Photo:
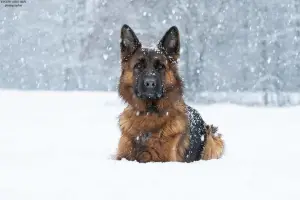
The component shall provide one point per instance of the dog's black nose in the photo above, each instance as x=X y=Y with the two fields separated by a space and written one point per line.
x=150 y=82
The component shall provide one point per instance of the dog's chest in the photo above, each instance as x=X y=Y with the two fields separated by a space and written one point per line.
x=150 y=140
x=138 y=125
x=143 y=138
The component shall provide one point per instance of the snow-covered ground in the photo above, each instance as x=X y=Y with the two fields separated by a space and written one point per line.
x=58 y=146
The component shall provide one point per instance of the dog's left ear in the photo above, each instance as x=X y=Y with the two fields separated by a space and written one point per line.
x=170 y=43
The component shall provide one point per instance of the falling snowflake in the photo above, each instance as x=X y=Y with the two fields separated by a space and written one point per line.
x=105 y=56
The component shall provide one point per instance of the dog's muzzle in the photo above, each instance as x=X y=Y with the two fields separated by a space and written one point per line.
x=149 y=87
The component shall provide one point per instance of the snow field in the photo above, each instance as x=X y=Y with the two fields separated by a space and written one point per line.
x=56 y=145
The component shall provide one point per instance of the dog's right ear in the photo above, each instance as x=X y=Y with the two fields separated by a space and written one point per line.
x=129 y=42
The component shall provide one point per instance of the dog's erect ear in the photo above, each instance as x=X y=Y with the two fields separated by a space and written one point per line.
x=129 y=41
x=170 y=43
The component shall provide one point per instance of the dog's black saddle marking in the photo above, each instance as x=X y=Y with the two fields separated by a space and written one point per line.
x=197 y=135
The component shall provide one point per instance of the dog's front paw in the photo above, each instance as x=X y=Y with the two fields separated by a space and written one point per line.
x=144 y=157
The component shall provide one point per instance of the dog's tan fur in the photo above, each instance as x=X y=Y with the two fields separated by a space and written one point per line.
x=214 y=146
x=169 y=139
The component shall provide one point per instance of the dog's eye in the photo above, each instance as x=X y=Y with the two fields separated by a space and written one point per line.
x=138 y=66
x=159 y=66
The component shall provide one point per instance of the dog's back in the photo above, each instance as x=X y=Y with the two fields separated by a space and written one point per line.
x=204 y=143
x=196 y=133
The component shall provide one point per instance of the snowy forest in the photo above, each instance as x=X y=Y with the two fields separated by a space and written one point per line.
x=241 y=51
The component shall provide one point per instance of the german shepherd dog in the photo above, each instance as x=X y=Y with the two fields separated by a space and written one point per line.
x=157 y=125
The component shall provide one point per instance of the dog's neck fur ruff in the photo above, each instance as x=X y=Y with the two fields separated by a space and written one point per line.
x=151 y=109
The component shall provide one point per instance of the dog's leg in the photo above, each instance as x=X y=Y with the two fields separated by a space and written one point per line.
x=179 y=144
x=125 y=148
x=176 y=143
x=166 y=149
x=214 y=145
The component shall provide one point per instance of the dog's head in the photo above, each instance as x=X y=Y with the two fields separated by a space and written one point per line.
x=149 y=75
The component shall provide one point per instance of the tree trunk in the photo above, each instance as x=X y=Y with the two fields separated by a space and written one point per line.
x=297 y=39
